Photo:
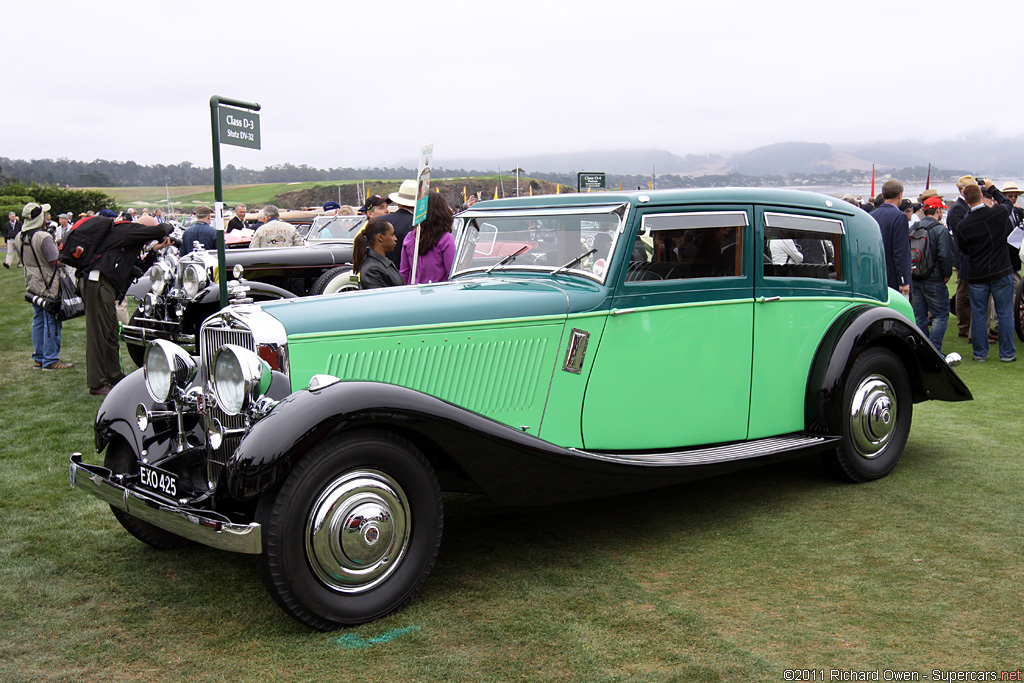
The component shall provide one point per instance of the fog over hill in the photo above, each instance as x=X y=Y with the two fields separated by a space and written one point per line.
x=1000 y=157
x=778 y=164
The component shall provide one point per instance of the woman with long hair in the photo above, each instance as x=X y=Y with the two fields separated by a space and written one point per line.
x=369 y=255
x=437 y=246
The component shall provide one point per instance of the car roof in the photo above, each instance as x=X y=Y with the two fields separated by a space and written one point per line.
x=717 y=195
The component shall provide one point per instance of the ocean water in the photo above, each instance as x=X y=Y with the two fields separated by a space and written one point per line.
x=911 y=190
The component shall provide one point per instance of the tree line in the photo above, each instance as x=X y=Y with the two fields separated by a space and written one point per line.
x=102 y=173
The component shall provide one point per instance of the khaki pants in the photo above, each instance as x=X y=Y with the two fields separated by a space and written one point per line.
x=12 y=253
x=102 y=357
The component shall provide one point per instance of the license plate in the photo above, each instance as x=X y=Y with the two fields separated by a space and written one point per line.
x=158 y=481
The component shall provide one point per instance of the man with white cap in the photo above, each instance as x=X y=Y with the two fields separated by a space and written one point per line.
x=38 y=254
x=401 y=220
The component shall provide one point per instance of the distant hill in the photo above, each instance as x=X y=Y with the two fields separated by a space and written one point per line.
x=787 y=158
x=988 y=156
x=635 y=162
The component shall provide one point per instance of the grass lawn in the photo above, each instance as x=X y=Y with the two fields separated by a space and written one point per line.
x=731 y=579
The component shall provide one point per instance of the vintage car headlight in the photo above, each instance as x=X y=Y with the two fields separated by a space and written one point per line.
x=156 y=279
x=167 y=367
x=193 y=279
x=240 y=378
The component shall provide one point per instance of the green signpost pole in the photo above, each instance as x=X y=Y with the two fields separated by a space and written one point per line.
x=239 y=129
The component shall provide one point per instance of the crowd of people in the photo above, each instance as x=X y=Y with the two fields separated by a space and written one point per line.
x=125 y=245
x=924 y=242
x=980 y=240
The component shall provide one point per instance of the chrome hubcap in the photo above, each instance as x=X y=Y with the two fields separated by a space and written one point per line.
x=358 y=531
x=872 y=415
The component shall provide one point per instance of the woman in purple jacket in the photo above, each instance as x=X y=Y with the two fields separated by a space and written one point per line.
x=437 y=246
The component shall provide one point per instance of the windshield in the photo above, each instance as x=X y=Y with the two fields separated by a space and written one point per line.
x=539 y=241
x=334 y=227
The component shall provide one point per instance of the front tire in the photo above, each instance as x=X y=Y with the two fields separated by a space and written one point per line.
x=353 y=532
x=120 y=459
x=875 y=420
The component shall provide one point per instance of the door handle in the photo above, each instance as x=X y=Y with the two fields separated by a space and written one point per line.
x=768 y=299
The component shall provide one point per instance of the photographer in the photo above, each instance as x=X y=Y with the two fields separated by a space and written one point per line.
x=38 y=254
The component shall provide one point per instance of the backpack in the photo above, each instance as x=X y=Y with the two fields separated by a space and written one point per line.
x=79 y=247
x=922 y=254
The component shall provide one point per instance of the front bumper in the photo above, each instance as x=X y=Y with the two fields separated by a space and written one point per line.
x=201 y=526
x=136 y=334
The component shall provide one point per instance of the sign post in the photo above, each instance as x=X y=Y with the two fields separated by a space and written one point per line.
x=422 y=198
x=232 y=127
x=587 y=182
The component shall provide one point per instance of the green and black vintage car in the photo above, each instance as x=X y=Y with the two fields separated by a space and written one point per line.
x=586 y=345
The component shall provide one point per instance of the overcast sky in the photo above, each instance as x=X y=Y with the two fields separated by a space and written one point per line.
x=367 y=84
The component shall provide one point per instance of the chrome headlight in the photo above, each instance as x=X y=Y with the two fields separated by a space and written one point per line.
x=240 y=378
x=168 y=369
x=156 y=276
x=193 y=279
x=149 y=303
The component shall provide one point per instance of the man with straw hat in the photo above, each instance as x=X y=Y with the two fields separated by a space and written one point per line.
x=38 y=253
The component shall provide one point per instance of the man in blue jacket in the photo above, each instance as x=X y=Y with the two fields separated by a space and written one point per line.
x=895 y=236
x=931 y=298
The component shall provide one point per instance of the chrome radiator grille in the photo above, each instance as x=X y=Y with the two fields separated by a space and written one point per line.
x=212 y=338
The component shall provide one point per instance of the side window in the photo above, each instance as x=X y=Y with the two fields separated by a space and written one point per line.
x=689 y=245
x=803 y=246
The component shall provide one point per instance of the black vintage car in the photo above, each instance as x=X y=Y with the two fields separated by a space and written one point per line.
x=177 y=294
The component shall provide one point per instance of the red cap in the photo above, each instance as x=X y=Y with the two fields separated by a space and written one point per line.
x=935 y=203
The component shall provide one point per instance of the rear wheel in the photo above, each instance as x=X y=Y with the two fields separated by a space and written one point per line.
x=353 y=532
x=120 y=459
x=335 y=281
x=875 y=420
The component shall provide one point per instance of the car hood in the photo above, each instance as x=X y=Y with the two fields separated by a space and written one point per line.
x=459 y=301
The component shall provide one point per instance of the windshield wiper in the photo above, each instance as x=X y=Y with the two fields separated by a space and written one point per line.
x=507 y=259
x=573 y=262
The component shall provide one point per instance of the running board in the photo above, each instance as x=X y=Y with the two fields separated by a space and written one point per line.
x=740 y=450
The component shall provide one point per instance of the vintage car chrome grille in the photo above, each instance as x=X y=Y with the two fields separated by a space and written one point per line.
x=213 y=338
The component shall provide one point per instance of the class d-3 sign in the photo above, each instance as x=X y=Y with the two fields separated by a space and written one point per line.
x=240 y=128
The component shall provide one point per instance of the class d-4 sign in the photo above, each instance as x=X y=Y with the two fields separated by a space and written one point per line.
x=237 y=127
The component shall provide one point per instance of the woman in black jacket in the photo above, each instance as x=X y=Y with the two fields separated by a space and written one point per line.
x=369 y=255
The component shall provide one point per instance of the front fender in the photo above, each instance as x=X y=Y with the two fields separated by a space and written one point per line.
x=116 y=419
x=868 y=326
x=211 y=294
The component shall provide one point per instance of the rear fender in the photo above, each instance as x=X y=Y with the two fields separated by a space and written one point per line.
x=875 y=326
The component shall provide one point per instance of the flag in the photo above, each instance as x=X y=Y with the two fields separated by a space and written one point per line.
x=558 y=189
x=495 y=191
x=872 y=181
x=531 y=190
x=464 y=200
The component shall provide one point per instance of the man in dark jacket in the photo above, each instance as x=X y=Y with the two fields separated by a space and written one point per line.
x=201 y=231
x=237 y=221
x=981 y=236
x=895 y=236
x=930 y=293
x=106 y=282
x=11 y=229
x=405 y=198
x=963 y=300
